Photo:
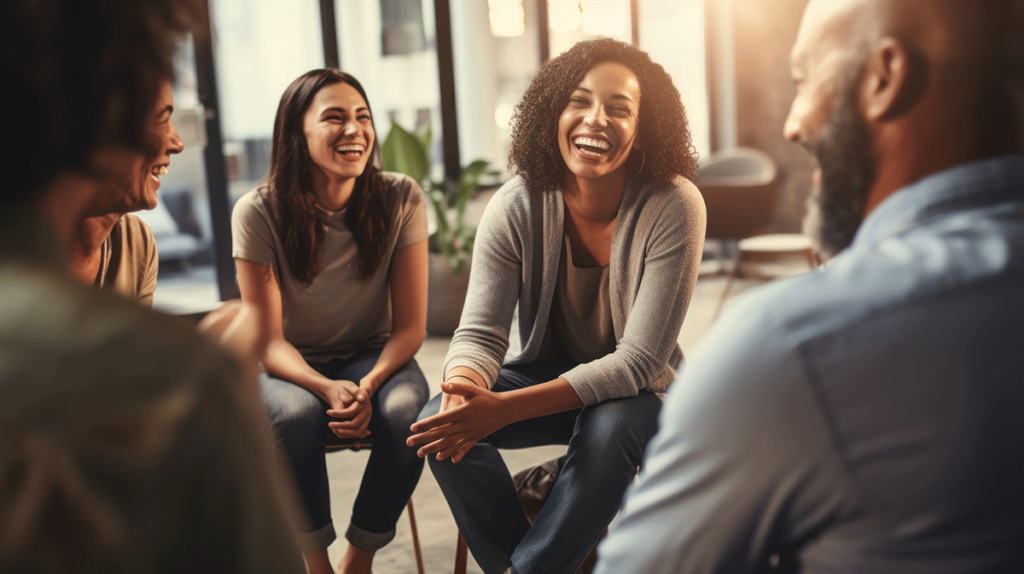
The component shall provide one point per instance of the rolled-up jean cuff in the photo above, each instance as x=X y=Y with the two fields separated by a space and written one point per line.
x=366 y=540
x=318 y=539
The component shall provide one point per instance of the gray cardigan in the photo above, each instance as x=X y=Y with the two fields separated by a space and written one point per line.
x=656 y=249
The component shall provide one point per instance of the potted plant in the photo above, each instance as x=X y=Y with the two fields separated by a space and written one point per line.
x=451 y=243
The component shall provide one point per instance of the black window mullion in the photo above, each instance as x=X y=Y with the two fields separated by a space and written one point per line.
x=446 y=80
x=543 y=33
x=329 y=30
x=213 y=155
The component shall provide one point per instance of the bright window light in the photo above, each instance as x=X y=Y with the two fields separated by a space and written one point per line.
x=508 y=19
x=564 y=15
x=605 y=17
x=503 y=115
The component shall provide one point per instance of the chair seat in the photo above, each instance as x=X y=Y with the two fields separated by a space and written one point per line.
x=768 y=245
x=776 y=243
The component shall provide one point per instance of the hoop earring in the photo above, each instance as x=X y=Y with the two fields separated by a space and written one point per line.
x=643 y=158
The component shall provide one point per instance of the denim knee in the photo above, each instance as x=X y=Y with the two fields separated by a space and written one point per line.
x=620 y=426
x=399 y=407
x=293 y=411
x=400 y=400
x=432 y=407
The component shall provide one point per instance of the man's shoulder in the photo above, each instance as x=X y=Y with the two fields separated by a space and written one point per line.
x=924 y=268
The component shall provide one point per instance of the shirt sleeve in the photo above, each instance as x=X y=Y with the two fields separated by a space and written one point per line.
x=251 y=229
x=481 y=340
x=670 y=265
x=412 y=223
x=744 y=462
x=151 y=266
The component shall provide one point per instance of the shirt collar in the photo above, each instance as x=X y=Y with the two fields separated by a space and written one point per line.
x=970 y=185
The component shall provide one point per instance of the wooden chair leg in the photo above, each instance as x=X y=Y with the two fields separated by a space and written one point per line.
x=728 y=283
x=460 y=555
x=415 y=538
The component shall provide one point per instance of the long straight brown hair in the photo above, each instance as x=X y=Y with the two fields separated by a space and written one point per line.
x=300 y=222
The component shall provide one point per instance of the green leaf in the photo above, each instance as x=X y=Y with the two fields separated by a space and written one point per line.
x=440 y=212
x=409 y=153
x=426 y=137
x=405 y=153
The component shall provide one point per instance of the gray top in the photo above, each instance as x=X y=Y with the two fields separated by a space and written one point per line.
x=581 y=316
x=655 y=253
x=865 y=418
x=340 y=312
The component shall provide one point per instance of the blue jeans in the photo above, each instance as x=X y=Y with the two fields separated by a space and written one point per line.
x=606 y=445
x=299 y=420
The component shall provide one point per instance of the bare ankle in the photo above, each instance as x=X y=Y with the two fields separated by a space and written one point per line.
x=355 y=561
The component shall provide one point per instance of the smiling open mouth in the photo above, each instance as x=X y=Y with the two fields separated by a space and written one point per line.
x=591 y=146
x=350 y=150
x=158 y=170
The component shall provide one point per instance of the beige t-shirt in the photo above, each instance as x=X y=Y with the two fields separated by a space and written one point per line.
x=340 y=312
x=129 y=261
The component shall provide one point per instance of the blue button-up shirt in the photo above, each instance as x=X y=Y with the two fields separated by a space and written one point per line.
x=868 y=417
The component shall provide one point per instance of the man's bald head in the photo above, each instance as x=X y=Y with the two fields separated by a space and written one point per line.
x=969 y=54
x=890 y=91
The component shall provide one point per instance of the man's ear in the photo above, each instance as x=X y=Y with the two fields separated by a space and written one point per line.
x=892 y=81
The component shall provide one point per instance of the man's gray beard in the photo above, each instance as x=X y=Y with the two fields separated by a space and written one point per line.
x=835 y=208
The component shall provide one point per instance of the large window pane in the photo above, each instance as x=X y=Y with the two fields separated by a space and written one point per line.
x=571 y=21
x=389 y=46
x=495 y=48
x=260 y=47
x=672 y=32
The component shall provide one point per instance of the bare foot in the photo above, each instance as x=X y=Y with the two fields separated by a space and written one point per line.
x=355 y=561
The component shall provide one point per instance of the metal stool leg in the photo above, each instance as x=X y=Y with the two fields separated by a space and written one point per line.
x=728 y=283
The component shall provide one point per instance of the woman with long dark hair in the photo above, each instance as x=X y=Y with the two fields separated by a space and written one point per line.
x=333 y=253
x=597 y=241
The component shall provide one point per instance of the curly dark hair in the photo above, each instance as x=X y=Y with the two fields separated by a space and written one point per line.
x=667 y=148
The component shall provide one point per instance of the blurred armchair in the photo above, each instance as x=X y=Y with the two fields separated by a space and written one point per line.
x=740 y=186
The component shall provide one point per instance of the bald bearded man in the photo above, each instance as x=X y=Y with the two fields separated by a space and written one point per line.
x=867 y=418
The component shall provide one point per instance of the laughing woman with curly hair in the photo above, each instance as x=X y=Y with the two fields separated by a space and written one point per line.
x=597 y=240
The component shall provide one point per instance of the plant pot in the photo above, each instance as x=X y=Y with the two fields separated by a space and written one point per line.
x=446 y=293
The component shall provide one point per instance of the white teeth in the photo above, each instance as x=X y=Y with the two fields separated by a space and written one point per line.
x=159 y=170
x=591 y=142
x=349 y=147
